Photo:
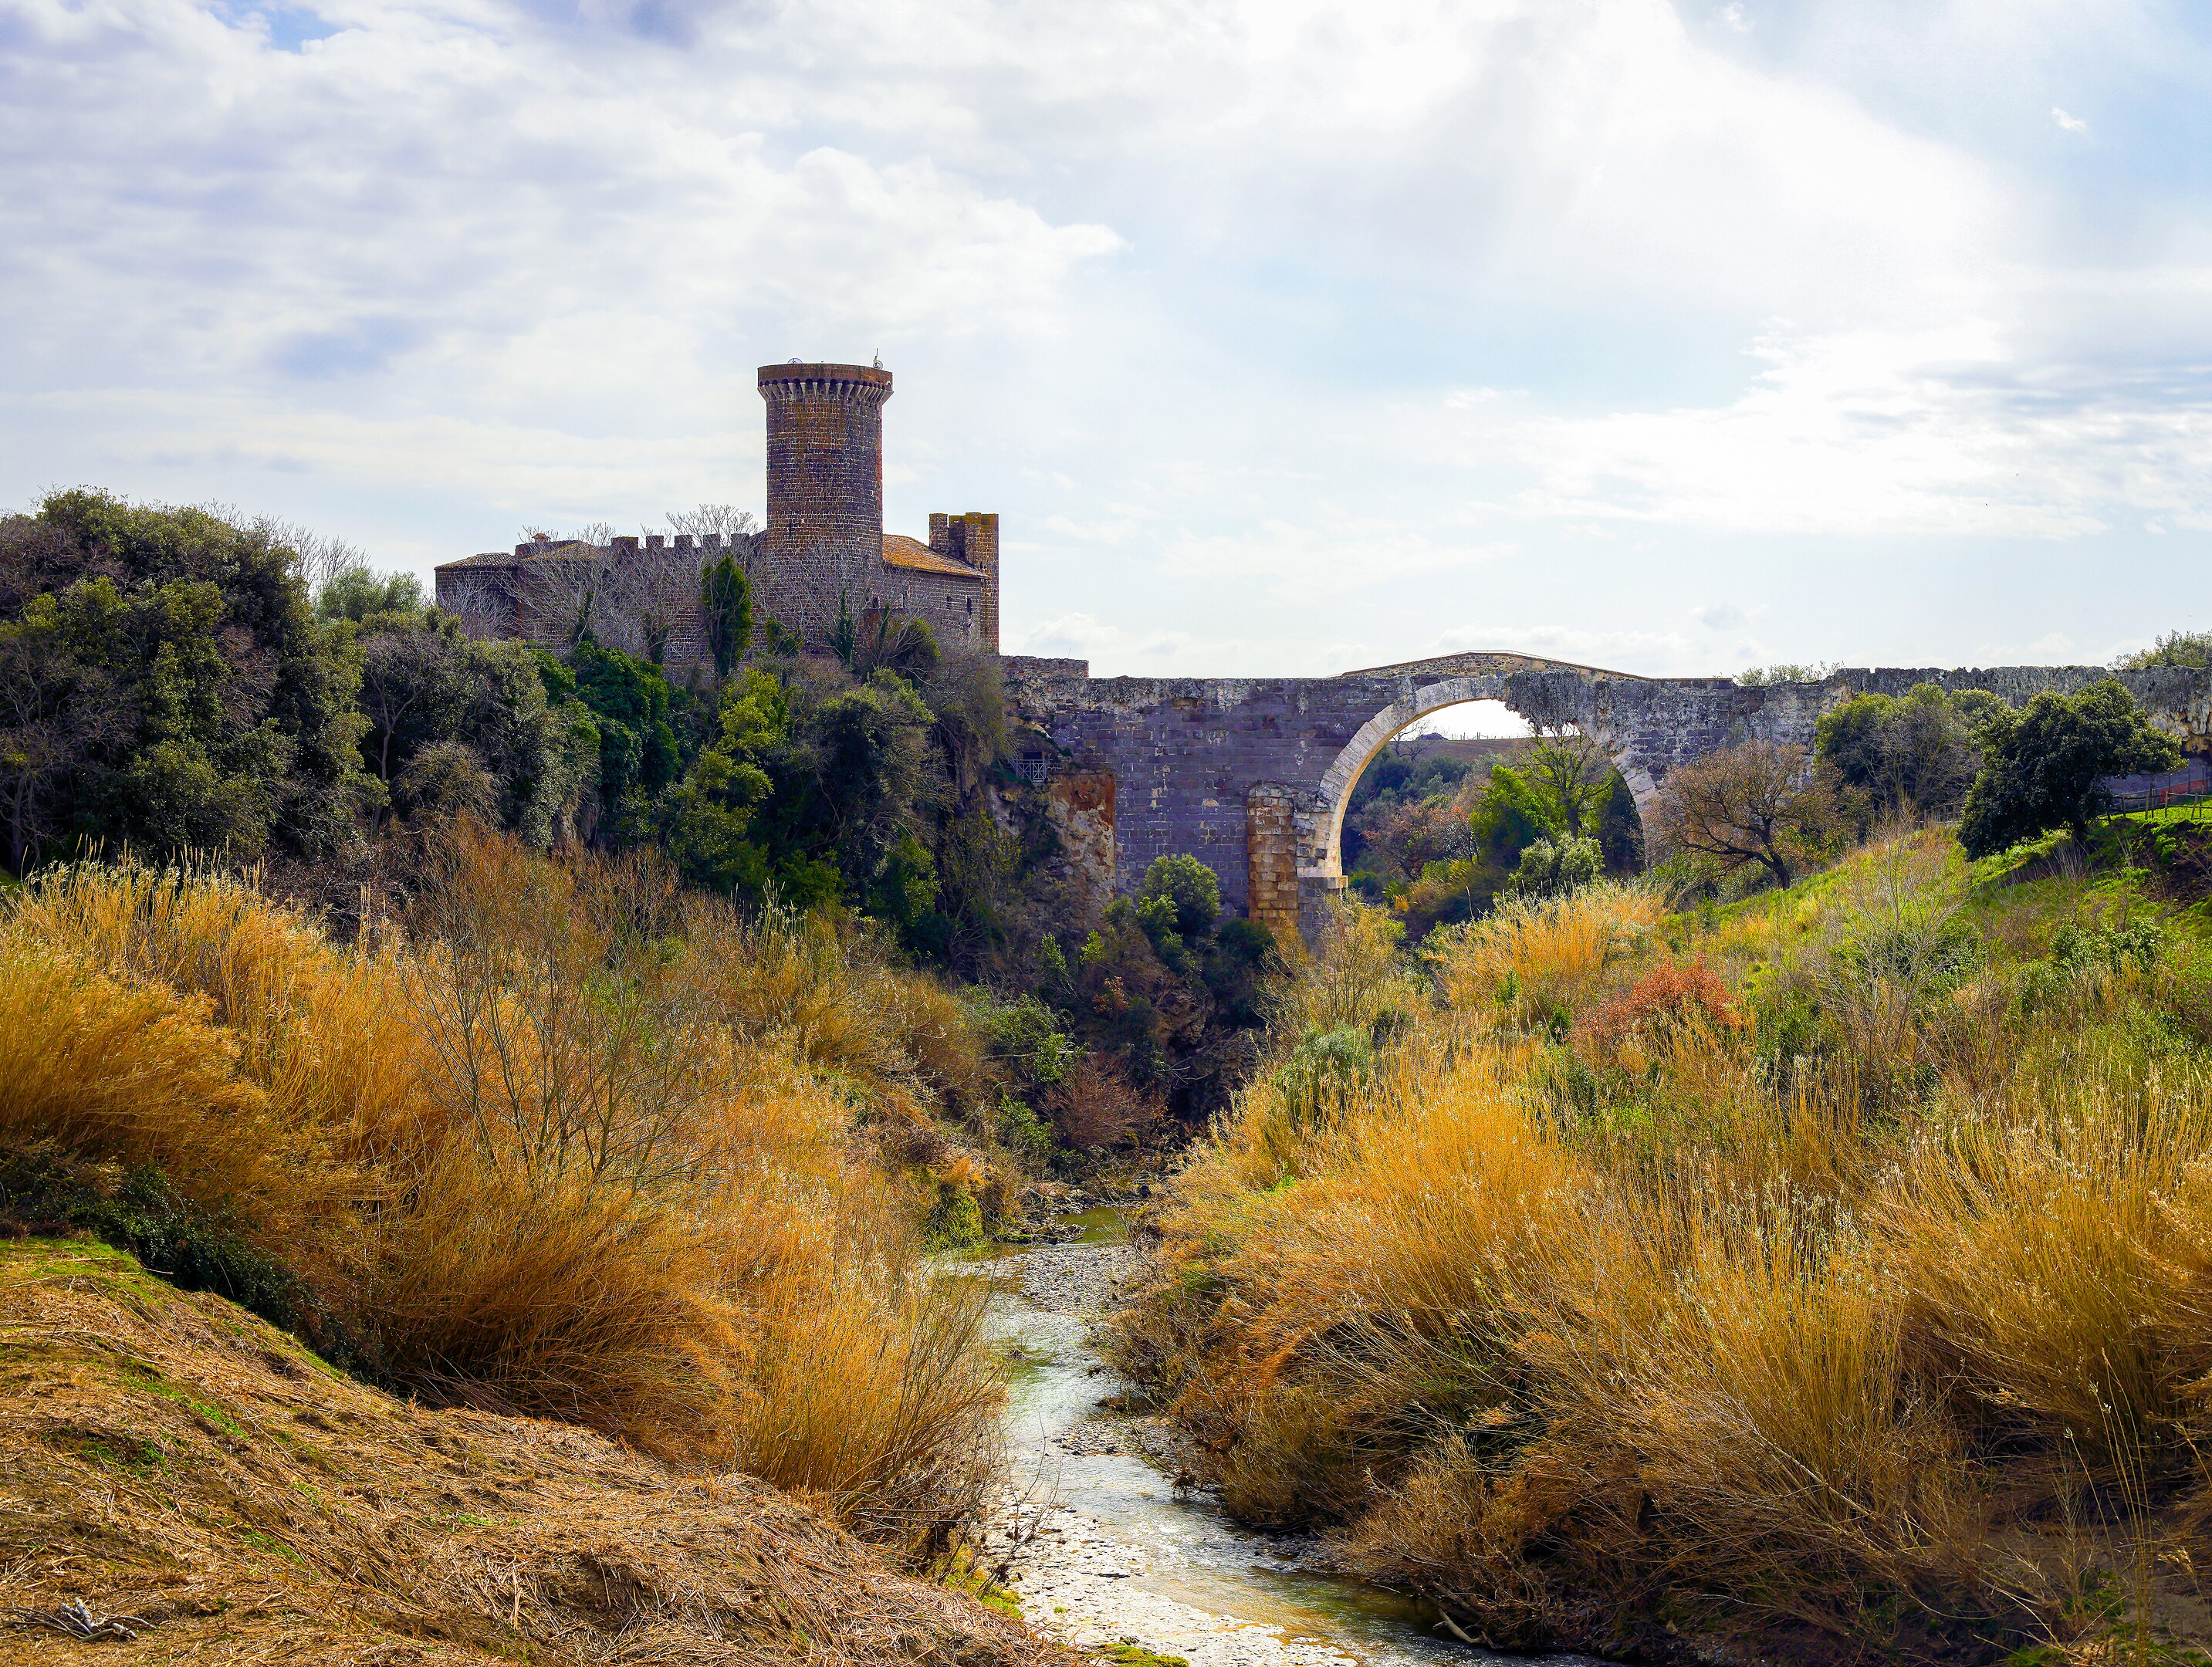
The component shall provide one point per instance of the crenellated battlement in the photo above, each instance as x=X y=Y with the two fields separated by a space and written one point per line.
x=705 y=544
x=859 y=384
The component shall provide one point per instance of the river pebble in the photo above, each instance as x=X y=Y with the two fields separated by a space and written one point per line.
x=1075 y=1279
x=1075 y=1583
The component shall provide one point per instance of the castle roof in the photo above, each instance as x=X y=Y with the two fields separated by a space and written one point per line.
x=899 y=551
x=536 y=551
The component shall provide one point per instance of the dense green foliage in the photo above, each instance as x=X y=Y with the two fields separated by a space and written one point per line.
x=1441 y=841
x=164 y=685
x=1168 y=992
x=1556 y=868
x=458 y=725
x=355 y=593
x=1180 y=895
x=628 y=701
x=2047 y=763
x=1914 y=755
x=168 y=682
x=726 y=603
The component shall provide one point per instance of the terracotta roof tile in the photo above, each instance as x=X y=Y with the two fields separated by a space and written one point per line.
x=899 y=551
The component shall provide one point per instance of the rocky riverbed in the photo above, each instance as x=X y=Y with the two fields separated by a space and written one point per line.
x=1104 y=1550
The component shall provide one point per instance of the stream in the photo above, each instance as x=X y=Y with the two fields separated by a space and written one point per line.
x=1101 y=1547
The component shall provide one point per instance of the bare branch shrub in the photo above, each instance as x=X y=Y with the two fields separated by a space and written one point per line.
x=1756 y=803
x=1096 y=1108
x=561 y=1036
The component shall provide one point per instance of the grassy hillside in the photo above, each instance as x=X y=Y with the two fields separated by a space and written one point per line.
x=190 y=1475
x=564 y=1142
x=1827 y=1277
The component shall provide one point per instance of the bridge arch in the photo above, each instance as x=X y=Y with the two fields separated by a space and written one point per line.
x=1321 y=830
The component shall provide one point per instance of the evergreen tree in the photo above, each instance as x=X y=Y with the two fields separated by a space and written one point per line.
x=2047 y=764
x=726 y=603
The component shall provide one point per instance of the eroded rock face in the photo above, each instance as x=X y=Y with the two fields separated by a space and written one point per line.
x=1209 y=765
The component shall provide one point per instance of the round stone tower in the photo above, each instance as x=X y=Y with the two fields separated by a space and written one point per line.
x=824 y=537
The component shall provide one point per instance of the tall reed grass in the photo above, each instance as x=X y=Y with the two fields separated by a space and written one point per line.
x=1611 y=1301
x=576 y=1145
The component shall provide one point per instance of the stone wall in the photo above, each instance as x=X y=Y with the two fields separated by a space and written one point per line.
x=974 y=539
x=1271 y=857
x=955 y=608
x=1183 y=753
x=534 y=593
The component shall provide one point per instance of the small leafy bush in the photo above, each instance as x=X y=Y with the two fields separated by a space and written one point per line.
x=1024 y=1134
x=1188 y=887
x=1556 y=868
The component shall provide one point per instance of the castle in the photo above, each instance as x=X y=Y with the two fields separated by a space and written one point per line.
x=823 y=553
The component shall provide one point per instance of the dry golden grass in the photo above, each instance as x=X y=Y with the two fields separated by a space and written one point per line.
x=1356 y=977
x=1689 y=1330
x=167 y=1457
x=568 y=1151
x=124 y=1071
x=1533 y=958
x=314 y=1023
x=827 y=995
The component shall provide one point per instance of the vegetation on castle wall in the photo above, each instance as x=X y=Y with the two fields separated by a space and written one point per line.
x=2190 y=649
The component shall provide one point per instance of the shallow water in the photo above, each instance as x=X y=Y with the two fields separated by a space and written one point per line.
x=1190 y=1552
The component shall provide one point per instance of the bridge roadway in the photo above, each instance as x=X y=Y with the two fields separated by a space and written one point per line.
x=1252 y=774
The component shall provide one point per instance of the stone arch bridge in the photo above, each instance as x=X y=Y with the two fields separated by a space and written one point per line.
x=1252 y=774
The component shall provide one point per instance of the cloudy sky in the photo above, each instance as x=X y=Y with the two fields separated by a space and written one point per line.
x=1285 y=337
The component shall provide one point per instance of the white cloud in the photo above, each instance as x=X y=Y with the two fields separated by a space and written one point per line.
x=1278 y=330
x=1329 y=555
x=1929 y=433
x=2068 y=123
x=2051 y=649
x=438 y=231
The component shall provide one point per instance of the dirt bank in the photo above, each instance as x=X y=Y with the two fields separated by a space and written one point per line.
x=190 y=1476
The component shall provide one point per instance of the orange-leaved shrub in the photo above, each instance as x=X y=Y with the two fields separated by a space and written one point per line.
x=1673 y=997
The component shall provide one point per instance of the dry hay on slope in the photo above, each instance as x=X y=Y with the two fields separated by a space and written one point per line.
x=167 y=1456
